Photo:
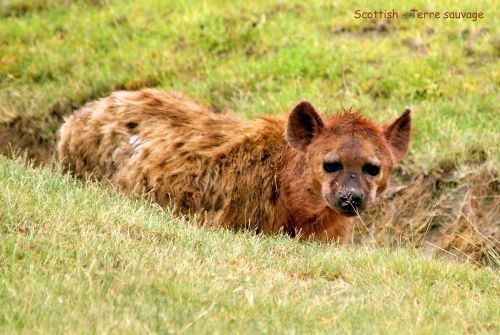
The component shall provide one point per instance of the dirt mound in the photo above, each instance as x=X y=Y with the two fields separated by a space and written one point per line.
x=452 y=211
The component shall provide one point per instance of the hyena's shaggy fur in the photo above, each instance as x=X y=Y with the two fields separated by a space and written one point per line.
x=230 y=172
x=179 y=153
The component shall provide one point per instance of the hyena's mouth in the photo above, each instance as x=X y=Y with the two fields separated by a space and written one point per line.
x=349 y=212
x=344 y=206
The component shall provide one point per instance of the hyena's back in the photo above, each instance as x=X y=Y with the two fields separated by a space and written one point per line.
x=179 y=153
x=104 y=135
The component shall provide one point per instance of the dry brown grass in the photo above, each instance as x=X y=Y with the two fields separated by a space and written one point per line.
x=451 y=211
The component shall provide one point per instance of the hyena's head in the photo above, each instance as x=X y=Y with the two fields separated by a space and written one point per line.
x=349 y=158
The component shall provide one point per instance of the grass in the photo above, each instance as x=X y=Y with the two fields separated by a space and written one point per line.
x=75 y=259
x=259 y=57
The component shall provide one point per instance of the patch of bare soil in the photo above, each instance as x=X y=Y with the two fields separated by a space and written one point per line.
x=15 y=143
x=23 y=8
x=370 y=28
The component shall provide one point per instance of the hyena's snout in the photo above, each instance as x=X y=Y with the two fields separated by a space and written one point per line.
x=351 y=201
x=351 y=196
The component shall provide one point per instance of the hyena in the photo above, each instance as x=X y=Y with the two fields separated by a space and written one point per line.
x=304 y=174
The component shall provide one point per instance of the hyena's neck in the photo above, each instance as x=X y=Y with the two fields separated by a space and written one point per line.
x=299 y=207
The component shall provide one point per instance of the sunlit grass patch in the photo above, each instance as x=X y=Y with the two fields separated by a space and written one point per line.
x=76 y=258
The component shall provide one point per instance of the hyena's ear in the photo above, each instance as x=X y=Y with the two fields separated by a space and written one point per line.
x=303 y=124
x=397 y=134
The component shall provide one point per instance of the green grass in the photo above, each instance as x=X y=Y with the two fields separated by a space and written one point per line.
x=74 y=259
x=260 y=57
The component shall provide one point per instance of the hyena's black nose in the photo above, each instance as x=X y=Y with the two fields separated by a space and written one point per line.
x=351 y=200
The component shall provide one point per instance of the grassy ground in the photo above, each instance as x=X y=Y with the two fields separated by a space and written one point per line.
x=259 y=57
x=74 y=259
x=77 y=260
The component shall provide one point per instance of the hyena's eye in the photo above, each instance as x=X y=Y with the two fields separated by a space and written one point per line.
x=332 y=166
x=371 y=169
